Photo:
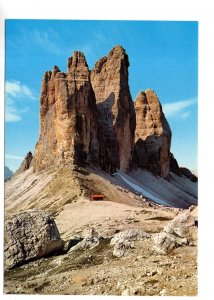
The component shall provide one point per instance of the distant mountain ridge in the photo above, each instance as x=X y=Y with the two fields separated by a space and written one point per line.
x=7 y=173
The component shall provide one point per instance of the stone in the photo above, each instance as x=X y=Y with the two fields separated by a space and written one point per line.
x=30 y=235
x=68 y=129
x=182 y=230
x=152 y=135
x=165 y=242
x=121 y=248
x=26 y=163
x=116 y=114
x=91 y=239
x=160 y=271
x=132 y=291
x=71 y=243
x=123 y=241
x=185 y=224
x=163 y=292
x=129 y=235
x=153 y=273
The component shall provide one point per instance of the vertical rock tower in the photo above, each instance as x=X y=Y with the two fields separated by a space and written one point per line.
x=67 y=117
x=152 y=135
x=115 y=107
x=89 y=116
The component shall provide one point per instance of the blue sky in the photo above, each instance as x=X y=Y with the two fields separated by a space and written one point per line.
x=163 y=56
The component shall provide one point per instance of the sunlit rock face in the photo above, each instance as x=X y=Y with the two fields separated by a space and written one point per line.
x=152 y=135
x=68 y=130
x=89 y=117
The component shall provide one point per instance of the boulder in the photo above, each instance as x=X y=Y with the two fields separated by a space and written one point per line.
x=129 y=235
x=91 y=239
x=165 y=242
x=121 y=248
x=30 y=235
x=123 y=240
x=182 y=230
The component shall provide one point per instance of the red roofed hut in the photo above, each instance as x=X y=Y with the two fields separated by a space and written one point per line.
x=96 y=197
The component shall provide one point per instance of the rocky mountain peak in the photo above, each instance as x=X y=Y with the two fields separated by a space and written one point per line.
x=89 y=116
x=118 y=52
x=78 y=67
x=115 y=107
x=67 y=114
x=153 y=119
x=152 y=134
x=140 y=100
x=55 y=71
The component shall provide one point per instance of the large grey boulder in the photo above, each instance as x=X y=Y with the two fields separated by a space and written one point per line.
x=91 y=239
x=121 y=248
x=30 y=235
x=165 y=242
x=182 y=230
x=129 y=235
x=123 y=240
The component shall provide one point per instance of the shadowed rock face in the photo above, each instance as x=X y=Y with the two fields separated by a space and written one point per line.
x=152 y=135
x=68 y=130
x=174 y=167
x=109 y=80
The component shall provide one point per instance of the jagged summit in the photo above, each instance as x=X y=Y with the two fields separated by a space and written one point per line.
x=78 y=67
x=153 y=119
x=68 y=132
x=90 y=117
x=55 y=70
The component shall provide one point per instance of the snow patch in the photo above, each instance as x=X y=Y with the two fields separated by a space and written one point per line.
x=140 y=189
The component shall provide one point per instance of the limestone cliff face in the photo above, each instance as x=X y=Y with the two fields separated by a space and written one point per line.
x=68 y=132
x=115 y=107
x=90 y=117
x=152 y=135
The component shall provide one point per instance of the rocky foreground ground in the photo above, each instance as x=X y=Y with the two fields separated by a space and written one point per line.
x=137 y=262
